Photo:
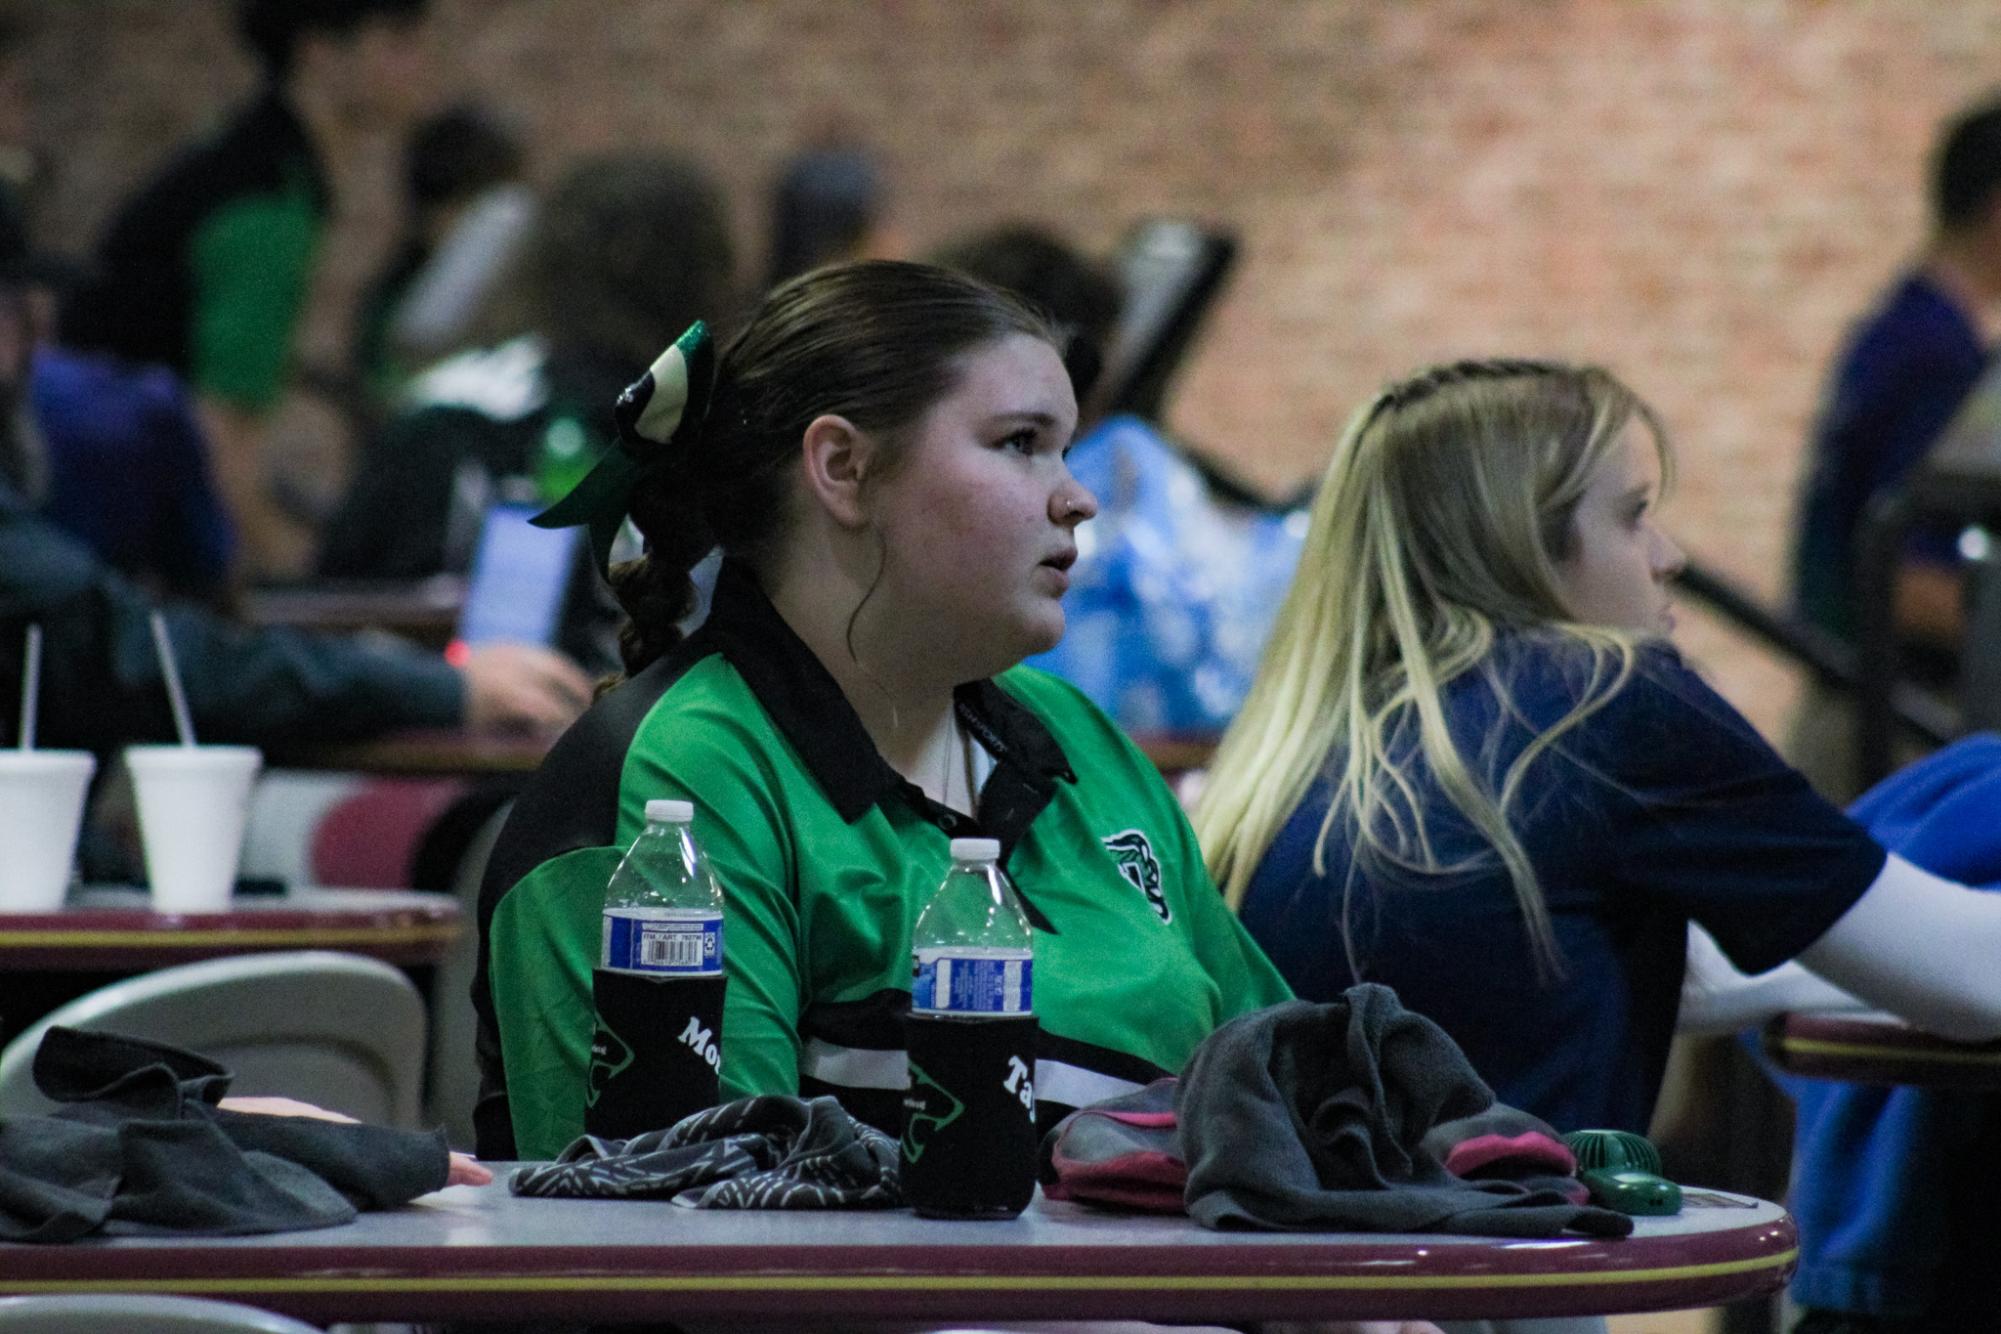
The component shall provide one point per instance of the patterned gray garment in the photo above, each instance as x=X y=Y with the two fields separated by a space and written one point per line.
x=755 y=1153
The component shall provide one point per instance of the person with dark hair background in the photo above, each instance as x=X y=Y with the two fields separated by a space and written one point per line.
x=1902 y=375
x=1082 y=296
x=207 y=268
x=880 y=454
x=826 y=208
x=621 y=249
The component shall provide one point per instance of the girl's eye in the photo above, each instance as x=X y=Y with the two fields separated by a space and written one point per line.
x=1022 y=441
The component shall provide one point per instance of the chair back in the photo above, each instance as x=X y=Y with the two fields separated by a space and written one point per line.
x=341 y=1031
x=138 y=1313
x=1173 y=270
x=454 y=1028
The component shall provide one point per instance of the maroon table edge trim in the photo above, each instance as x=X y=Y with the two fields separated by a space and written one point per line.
x=87 y=939
x=1579 y=1276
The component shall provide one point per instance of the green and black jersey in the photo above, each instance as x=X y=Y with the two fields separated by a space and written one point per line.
x=826 y=856
x=206 y=269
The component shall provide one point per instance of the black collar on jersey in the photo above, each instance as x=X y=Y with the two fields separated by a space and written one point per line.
x=807 y=705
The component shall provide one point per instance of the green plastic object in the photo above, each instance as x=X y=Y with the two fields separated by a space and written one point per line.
x=1641 y=1194
x=1623 y=1172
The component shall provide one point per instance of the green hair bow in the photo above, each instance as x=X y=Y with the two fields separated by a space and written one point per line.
x=657 y=415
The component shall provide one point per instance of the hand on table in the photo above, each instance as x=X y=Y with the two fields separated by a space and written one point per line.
x=515 y=686
x=464 y=1169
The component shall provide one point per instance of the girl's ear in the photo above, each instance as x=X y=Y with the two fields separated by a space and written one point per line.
x=836 y=456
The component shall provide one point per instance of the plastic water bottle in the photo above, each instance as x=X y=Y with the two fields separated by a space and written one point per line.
x=656 y=1054
x=969 y=1114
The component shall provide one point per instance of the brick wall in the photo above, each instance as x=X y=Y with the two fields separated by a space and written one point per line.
x=1700 y=193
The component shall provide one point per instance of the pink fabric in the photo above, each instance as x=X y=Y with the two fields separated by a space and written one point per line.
x=1530 y=1150
x=1147 y=1180
x=1121 y=1152
x=1135 y=1118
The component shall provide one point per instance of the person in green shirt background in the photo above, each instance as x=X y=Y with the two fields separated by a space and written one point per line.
x=206 y=269
x=880 y=455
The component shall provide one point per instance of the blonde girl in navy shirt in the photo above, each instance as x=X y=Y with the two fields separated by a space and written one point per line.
x=1473 y=767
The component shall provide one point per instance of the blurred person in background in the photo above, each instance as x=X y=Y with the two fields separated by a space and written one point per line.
x=206 y=269
x=827 y=207
x=121 y=464
x=466 y=209
x=101 y=684
x=1082 y=296
x=128 y=471
x=622 y=248
x=1903 y=374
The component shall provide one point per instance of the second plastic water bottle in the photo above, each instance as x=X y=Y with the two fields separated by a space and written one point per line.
x=969 y=1116
x=656 y=1054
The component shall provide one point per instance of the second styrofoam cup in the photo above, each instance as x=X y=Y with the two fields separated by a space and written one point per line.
x=192 y=804
x=41 y=808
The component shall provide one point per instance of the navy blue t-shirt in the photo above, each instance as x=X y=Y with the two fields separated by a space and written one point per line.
x=129 y=470
x=1664 y=806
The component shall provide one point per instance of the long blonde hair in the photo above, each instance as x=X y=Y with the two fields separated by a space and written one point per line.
x=1444 y=510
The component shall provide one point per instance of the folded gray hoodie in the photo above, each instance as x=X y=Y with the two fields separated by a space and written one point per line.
x=1304 y=1117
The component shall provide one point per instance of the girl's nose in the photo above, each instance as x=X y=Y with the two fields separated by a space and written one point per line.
x=1073 y=503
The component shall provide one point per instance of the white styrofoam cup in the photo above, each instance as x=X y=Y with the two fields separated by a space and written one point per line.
x=192 y=804
x=41 y=809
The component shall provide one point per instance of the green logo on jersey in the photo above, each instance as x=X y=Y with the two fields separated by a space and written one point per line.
x=928 y=1107
x=610 y=1055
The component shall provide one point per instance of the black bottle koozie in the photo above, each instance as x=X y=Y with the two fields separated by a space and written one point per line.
x=656 y=1051
x=969 y=1116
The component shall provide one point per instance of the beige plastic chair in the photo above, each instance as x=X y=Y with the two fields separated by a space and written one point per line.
x=341 y=1031
x=135 y=1313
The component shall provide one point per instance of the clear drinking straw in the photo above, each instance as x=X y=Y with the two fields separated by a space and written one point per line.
x=175 y=695
x=31 y=685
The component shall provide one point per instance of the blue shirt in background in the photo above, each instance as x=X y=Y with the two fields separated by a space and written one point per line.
x=1904 y=373
x=129 y=470
x=1175 y=589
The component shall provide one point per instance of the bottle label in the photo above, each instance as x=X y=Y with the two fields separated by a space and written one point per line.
x=947 y=983
x=683 y=945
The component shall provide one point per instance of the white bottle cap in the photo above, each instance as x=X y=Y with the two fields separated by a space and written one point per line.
x=975 y=849
x=666 y=810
